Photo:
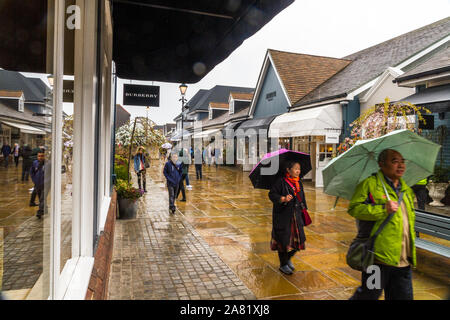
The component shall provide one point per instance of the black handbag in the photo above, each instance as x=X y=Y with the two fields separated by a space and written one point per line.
x=360 y=254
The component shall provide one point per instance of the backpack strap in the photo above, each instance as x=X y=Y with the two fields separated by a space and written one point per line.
x=389 y=217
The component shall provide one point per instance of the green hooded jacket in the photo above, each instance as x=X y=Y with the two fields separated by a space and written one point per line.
x=388 y=244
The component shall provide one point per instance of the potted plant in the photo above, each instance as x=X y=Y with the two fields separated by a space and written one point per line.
x=437 y=185
x=127 y=197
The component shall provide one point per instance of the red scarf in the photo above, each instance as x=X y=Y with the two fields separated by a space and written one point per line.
x=294 y=181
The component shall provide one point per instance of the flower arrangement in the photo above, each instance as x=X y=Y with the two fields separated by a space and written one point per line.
x=126 y=191
x=381 y=119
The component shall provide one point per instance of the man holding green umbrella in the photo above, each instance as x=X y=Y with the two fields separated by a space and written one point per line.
x=394 y=247
x=376 y=174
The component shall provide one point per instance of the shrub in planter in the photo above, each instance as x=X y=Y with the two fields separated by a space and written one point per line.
x=127 y=197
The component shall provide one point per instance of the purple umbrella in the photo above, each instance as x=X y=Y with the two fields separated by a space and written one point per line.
x=273 y=164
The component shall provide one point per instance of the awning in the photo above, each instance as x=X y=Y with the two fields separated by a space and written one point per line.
x=257 y=124
x=309 y=122
x=437 y=99
x=177 y=135
x=181 y=41
x=24 y=128
x=206 y=133
x=230 y=128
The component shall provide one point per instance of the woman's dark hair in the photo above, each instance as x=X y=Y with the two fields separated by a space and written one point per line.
x=290 y=165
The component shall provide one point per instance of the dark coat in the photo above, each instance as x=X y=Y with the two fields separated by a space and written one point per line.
x=282 y=212
x=25 y=153
x=6 y=150
x=172 y=174
x=37 y=173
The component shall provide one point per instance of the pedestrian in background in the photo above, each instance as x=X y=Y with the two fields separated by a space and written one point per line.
x=394 y=247
x=15 y=153
x=188 y=162
x=6 y=151
x=182 y=164
x=198 y=161
x=33 y=157
x=288 y=199
x=38 y=175
x=27 y=162
x=140 y=161
x=172 y=172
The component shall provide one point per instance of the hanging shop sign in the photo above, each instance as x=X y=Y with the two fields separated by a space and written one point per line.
x=140 y=95
x=68 y=90
x=332 y=138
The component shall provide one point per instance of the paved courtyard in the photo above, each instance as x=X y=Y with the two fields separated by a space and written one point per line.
x=217 y=247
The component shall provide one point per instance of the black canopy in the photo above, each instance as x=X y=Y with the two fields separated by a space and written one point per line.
x=181 y=41
x=155 y=40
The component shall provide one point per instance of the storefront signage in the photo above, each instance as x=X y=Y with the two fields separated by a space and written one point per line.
x=68 y=91
x=332 y=138
x=140 y=95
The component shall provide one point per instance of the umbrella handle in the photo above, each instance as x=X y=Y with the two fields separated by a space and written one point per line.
x=335 y=203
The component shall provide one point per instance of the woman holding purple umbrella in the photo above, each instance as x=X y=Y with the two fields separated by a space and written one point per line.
x=289 y=216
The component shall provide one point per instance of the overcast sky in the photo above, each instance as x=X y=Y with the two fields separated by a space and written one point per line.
x=319 y=27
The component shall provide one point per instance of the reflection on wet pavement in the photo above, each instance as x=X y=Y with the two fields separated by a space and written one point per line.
x=236 y=221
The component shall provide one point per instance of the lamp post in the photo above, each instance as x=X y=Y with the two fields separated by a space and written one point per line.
x=183 y=88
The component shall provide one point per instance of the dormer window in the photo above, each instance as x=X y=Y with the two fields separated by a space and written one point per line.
x=232 y=106
x=21 y=105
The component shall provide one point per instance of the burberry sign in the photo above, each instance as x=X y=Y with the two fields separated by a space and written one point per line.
x=141 y=95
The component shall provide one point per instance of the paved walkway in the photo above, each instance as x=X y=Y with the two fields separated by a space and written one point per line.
x=220 y=238
x=161 y=256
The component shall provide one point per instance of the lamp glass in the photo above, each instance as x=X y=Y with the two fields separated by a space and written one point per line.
x=183 y=89
x=51 y=79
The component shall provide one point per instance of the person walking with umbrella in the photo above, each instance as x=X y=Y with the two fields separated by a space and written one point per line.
x=280 y=172
x=288 y=199
x=394 y=247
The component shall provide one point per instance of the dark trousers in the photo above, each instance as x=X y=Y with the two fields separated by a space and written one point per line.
x=33 y=195
x=25 y=172
x=285 y=257
x=172 y=192
x=141 y=177
x=396 y=283
x=421 y=195
x=42 y=194
x=6 y=159
x=198 y=171
x=16 y=160
x=181 y=187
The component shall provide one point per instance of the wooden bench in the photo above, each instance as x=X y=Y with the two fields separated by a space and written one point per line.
x=433 y=225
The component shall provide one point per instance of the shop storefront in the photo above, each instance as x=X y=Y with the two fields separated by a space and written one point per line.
x=314 y=131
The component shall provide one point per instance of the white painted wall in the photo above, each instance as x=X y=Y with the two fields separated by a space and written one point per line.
x=387 y=89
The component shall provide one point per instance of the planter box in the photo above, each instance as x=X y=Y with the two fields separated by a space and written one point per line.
x=127 y=208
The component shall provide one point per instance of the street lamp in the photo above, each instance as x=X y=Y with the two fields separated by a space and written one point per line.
x=183 y=88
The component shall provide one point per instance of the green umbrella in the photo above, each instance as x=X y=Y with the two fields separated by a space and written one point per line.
x=344 y=173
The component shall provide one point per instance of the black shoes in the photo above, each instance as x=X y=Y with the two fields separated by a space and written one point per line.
x=33 y=204
x=183 y=200
x=286 y=270
x=172 y=211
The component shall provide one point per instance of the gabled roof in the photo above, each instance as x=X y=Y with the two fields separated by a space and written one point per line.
x=196 y=98
x=219 y=105
x=226 y=117
x=242 y=96
x=34 y=89
x=369 y=63
x=437 y=63
x=302 y=73
x=218 y=93
x=10 y=94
